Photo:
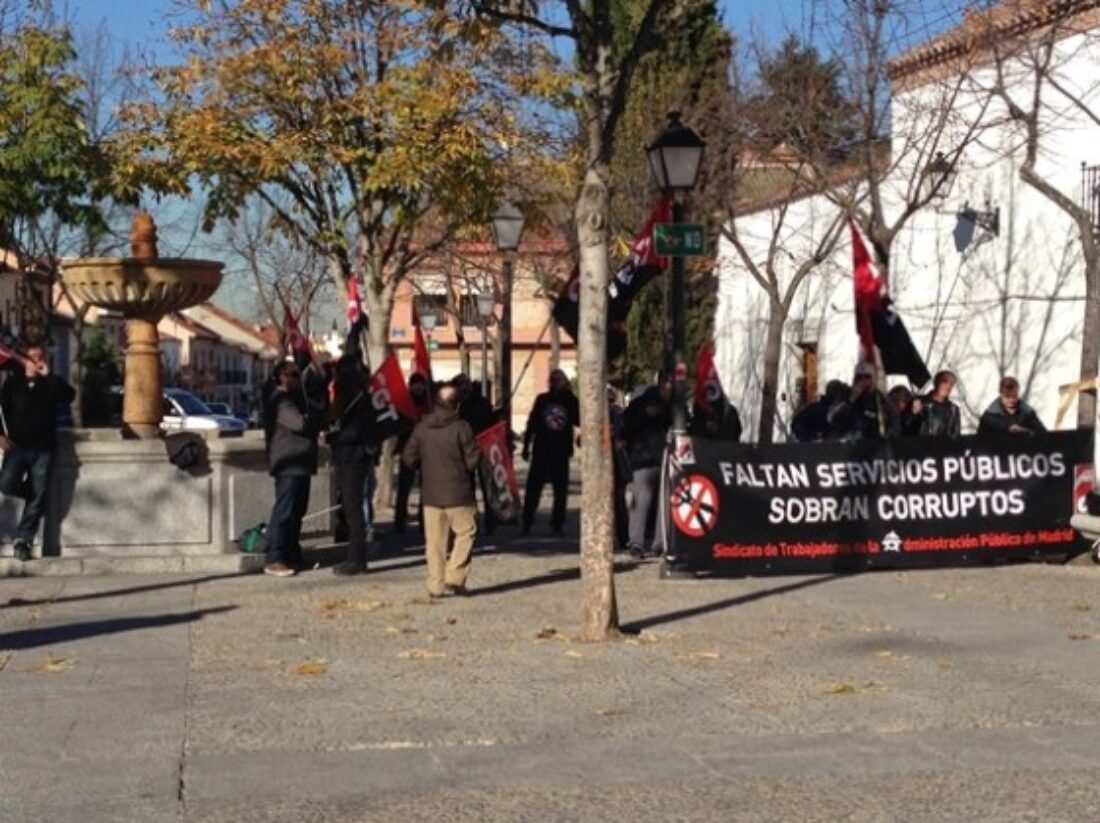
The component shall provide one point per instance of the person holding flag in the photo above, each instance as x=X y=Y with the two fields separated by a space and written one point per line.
x=712 y=414
x=349 y=434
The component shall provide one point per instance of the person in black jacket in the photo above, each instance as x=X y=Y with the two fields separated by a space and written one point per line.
x=720 y=422
x=940 y=417
x=474 y=407
x=28 y=402
x=906 y=409
x=348 y=436
x=645 y=427
x=865 y=414
x=290 y=429
x=548 y=446
x=1008 y=414
x=812 y=421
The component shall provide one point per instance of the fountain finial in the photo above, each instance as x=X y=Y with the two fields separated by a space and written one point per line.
x=143 y=236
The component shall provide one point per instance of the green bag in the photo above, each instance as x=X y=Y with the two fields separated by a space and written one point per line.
x=254 y=540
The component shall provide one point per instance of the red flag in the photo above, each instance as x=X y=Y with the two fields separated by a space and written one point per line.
x=388 y=388
x=297 y=343
x=357 y=323
x=499 y=472
x=870 y=293
x=355 y=305
x=422 y=361
x=708 y=386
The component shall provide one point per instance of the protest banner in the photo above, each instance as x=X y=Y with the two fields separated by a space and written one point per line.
x=825 y=507
x=499 y=473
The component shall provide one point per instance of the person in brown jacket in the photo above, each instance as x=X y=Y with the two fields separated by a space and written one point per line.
x=442 y=446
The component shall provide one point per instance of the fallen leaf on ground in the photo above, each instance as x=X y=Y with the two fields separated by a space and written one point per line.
x=840 y=688
x=352 y=605
x=400 y=630
x=311 y=667
x=420 y=654
x=609 y=712
x=884 y=655
x=289 y=636
x=550 y=633
x=52 y=665
x=1084 y=637
x=944 y=666
x=1082 y=607
x=699 y=656
x=451 y=621
x=939 y=596
x=572 y=653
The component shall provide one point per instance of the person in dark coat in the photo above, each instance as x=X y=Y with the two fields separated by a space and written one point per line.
x=865 y=414
x=348 y=436
x=812 y=421
x=474 y=407
x=940 y=417
x=406 y=476
x=1008 y=414
x=906 y=409
x=622 y=470
x=720 y=422
x=29 y=402
x=291 y=426
x=442 y=446
x=548 y=446
x=645 y=427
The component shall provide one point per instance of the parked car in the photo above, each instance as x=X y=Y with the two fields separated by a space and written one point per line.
x=221 y=408
x=183 y=411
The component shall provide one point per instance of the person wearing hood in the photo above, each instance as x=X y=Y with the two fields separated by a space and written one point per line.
x=443 y=448
x=812 y=422
x=548 y=446
x=865 y=414
x=1008 y=414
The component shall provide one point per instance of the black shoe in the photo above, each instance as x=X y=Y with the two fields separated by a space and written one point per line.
x=526 y=530
x=349 y=568
x=637 y=552
x=558 y=531
x=22 y=550
x=458 y=591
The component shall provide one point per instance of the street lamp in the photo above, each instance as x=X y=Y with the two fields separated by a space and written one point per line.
x=675 y=158
x=485 y=303
x=937 y=179
x=507 y=229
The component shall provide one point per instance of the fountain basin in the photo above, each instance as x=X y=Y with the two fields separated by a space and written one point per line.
x=141 y=288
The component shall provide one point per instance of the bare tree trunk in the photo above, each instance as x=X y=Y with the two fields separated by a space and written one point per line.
x=773 y=352
x=1090 y=342
x=379 y=308
x=601 y=617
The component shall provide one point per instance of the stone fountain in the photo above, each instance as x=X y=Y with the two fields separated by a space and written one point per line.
x=143 y=288
x=116 y=503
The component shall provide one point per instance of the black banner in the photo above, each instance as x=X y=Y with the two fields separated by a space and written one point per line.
x=914 y=502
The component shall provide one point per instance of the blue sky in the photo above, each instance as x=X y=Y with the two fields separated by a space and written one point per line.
x=140 y=23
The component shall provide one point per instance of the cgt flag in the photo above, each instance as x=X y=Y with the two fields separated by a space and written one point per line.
x=422 y=359
x=389 y=399
x=708 y=386
x=880 y=328
x=498 y=472
x=641 y=266
x=298 y=345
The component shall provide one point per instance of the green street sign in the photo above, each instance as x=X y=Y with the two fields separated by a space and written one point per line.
x=680 y=239
x=433 y=345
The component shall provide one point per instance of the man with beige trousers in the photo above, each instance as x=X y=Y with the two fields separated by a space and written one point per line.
x=442 y=446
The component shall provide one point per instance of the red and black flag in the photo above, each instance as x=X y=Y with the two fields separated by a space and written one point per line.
x=422 y=360
x=389 y=400
x=883 y=338
x=298 y=345
x=357 y=324
x=641 y=266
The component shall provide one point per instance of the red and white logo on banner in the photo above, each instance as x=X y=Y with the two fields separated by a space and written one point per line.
x=1084 y=479
x=695 y=505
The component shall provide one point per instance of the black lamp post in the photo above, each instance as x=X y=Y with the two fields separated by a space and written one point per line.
x=507 y=228
x=485 y=303
x=675 y=158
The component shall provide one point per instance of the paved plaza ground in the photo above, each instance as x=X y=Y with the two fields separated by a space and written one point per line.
x=966 y=694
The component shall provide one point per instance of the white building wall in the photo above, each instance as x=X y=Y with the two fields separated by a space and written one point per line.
x=982 y=306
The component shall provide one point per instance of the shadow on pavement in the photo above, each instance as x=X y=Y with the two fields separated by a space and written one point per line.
x=50 y=635
x=557 y=576
x=706 y=608
x=16 y=602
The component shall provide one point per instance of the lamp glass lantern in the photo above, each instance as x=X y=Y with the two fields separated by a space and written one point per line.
x=676 y=156
x=937 y=180
x=507 y=227
x=485 y=303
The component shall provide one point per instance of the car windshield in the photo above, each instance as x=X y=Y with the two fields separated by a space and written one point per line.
x=190 y=404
